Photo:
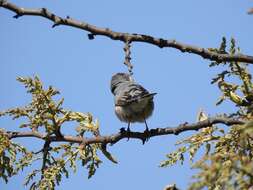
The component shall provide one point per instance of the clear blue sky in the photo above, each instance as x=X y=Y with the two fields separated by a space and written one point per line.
x=81 y=69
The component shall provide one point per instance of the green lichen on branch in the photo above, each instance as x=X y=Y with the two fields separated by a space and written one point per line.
x=45 y=115
x=225 y=159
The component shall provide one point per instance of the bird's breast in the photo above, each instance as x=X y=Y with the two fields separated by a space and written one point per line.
x=135 y=112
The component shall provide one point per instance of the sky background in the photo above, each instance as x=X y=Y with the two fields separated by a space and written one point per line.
x=81 y=69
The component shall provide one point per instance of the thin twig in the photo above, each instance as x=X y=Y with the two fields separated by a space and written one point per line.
x=127 y=61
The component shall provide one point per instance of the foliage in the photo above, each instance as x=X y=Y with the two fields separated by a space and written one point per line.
x=10 y=164
x=45 y=115
x=227 y=162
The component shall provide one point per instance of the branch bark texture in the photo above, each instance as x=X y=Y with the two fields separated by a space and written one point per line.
x=114 y=138
x=124 y=37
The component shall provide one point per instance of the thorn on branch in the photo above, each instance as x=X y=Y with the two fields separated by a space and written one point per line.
x=44 y=11
x=143 y=141
x=91 y=36
x=55 y=24
x=17 y=16
x=57 y=21
x=176 y=132
x=122 y=130
x=184 y=124
x=183 y=49
x=162 y=43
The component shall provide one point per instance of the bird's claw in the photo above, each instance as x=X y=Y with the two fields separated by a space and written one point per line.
x=128 y=133
x=146 y=136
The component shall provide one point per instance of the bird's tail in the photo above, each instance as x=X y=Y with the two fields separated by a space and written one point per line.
x=149 y=96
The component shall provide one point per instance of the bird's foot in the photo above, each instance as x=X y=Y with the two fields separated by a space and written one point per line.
x=128 y=133
x=146 y=136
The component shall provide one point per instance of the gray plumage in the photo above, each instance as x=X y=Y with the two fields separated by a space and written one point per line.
x=133 y=103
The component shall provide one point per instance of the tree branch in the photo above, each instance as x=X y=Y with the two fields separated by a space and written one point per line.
x=250 y=12
x=114 y=138
x=45 y=151
x=125 y=37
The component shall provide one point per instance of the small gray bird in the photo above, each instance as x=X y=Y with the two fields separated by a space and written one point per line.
x=133 y=103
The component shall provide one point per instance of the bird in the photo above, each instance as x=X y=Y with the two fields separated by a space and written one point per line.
x=133 y=103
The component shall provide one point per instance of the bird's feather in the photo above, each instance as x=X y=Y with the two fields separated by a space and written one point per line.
x=136 y=94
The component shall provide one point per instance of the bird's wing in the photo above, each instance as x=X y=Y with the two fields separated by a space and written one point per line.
x=133 y=93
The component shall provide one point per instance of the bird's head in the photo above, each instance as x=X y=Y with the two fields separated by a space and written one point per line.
x=119 y=78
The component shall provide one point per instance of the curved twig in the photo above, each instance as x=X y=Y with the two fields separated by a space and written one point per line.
x=124 y=37
x=114 y=138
